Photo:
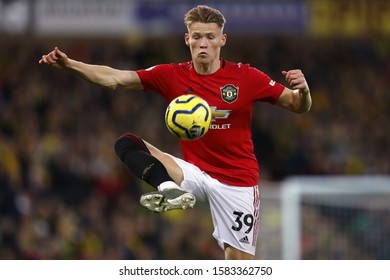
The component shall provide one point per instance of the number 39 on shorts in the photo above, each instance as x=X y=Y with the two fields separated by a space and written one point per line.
x=241 y=221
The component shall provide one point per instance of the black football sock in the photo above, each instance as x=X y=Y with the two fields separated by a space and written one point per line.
x=136 y=156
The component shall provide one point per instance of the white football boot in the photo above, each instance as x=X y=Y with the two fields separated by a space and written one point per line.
x=167 y=199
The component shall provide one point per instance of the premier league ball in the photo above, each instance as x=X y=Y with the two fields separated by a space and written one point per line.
x=188 y=117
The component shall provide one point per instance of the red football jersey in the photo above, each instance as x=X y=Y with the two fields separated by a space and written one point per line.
x=226 y=152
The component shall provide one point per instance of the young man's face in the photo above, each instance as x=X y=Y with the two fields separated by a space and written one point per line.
x=205 y=41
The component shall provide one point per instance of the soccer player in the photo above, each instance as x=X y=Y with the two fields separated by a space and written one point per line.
x=221 y=166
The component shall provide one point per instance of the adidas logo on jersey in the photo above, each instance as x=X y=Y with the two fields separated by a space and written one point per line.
x=244 y=240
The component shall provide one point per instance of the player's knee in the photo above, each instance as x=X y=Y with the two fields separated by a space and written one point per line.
x=129 y=142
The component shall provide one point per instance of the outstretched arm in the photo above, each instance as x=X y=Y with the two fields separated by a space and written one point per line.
x=298 y=98
x=97 y=74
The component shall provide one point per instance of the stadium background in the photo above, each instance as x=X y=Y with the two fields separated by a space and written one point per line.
x=65 y=195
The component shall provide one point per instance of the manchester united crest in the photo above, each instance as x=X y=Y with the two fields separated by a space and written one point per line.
x=229 y=93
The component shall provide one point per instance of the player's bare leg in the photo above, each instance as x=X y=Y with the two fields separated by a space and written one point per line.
x=232 y=253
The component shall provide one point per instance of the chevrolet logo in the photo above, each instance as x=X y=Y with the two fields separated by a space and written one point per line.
x=219 y=114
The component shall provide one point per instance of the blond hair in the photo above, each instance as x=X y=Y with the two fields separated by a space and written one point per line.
x=204 y=14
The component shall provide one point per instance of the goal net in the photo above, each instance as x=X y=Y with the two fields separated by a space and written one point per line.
x=336 y=217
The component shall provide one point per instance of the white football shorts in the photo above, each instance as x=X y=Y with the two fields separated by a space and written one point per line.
x=234 y=210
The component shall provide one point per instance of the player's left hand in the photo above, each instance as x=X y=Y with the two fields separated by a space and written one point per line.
x=297 y=80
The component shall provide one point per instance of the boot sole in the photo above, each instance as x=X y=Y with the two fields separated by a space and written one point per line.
x=159 y=203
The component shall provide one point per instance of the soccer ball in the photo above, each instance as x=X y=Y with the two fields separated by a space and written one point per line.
x=188 y=117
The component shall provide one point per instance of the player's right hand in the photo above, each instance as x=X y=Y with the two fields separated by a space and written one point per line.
x=55 y=58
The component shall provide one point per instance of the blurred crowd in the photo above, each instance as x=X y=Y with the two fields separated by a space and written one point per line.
x=345 y=233
x=65 y=195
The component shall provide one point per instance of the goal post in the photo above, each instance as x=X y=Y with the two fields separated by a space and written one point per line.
x=324 y=217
